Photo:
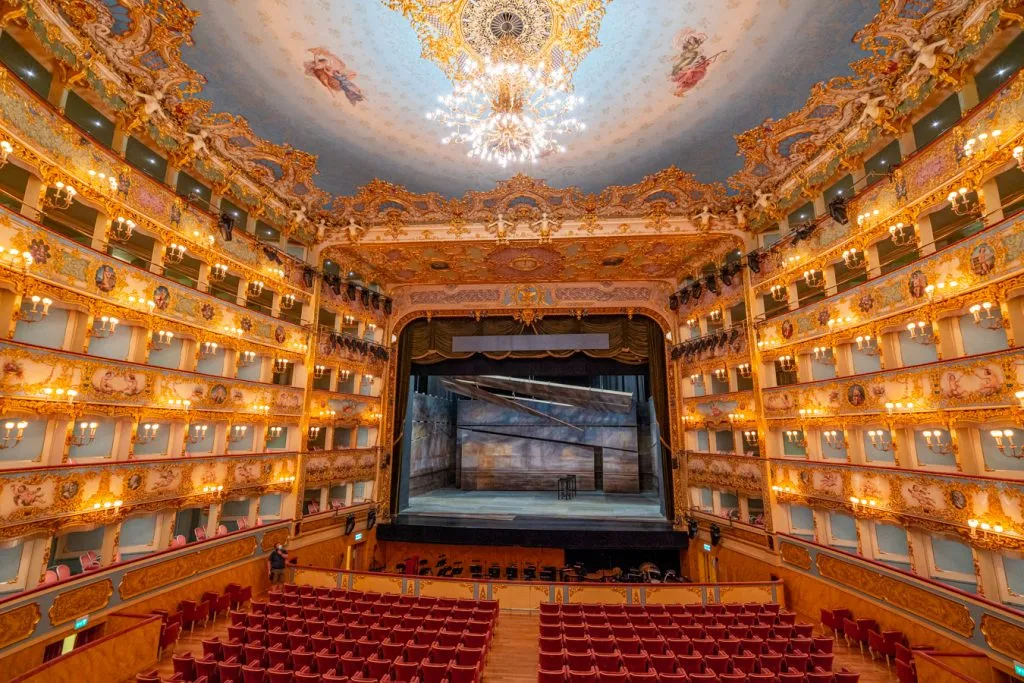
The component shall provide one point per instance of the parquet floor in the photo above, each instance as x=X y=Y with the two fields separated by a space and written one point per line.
x=513 y=657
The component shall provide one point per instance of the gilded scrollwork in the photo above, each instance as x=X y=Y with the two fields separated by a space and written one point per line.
x=795 y=555
x=71 y=604
x=19 y=623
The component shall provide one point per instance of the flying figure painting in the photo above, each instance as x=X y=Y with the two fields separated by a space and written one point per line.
x=330 y=70
x=690 y=64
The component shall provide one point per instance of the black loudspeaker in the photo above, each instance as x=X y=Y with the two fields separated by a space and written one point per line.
x=350 y=525
x=226 y=223
x=754 y=261
x=371 y=519
x=692 y=528
x=673 y=302
x=716 y=534
x=837 y=210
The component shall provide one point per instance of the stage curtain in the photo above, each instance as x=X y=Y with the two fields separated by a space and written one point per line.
x=629 y=341
x=404 y=370
x=658 y=376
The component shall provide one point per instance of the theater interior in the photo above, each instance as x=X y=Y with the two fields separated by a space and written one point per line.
x=500 y=341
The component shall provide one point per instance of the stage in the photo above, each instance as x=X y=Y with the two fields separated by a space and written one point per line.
x=514 y=506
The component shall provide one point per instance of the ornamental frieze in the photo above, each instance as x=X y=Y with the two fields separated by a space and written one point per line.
x=1002 y=635
x=795 y=555
x=724 y=472
x=18 y=624
x=69 y=605
x=930 y=606
x=160 y=574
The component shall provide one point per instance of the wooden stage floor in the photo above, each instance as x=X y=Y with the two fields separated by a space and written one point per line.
x=513 y=505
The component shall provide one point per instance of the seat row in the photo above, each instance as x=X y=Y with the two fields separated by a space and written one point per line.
x=675 y=610
x=714 y=632
x=703 y=646
x=595 y=676
x=726 y=619
x=670 y=662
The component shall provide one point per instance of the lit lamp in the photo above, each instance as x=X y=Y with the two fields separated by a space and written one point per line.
x=786 y=363
x=313 y=433
x=163 y=339
x=823 y=355
x=982 y=143
x=743 y=369
x=247 y=358
x=102 y=181
x=105 y=326
x=868 y=218
x=280 y=365
x=196 y=433
x=13 y=433
x=961 y=203
x=345 y=374
x=35 y=309
x=319 y=371
x=122 y=229
x=256 y=287
x=146 y=433
x=1005 y=444
x=5 y=151
x=287 y=301
x=901 y=235
x=212 y=489
x=62 y=197
x=899 y=407
x=1018 y=154
x=237 y=433
x=182 y=404
x=750 y=437
x=780 y=293
x=921 y=332
x=721 y=374
x=218 y=271
x=984 y=317
x=1019 y=395
x=853 y=257
x=813 y=278
x=174 y=253
x=985 y=528
x=715 y=315
x=860 y=504
x=835 y=438
x=697 y=379
x=879 y=440
x=274 y=433
x=943 y=287
x=207 y=350
x=15 y=258
x=85 y=434
x=60 y=394
x=796 y=437
x=933 y=438
x=868 y=345
x=260 y=409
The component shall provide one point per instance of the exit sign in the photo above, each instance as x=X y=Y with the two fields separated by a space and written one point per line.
x=707 y=547
x=1018 y=668
x=81 y=622
x=359 y=536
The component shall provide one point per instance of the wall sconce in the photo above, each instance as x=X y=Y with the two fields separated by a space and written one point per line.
x=744 y=370
x=212 y=489
x=345 y=374
x=287 y=301
x=985 y=528
x=62 y=197
x=85 y=434
x=1019 y=395
x=750 y=437
x=174 y=253
x=933 y=438
x=318 y=371
x=276 y=272
x=840 y=321
x=247 y=358
x=813 y=278
x=204 y=237
x=1018 y=154
x=721 y=374
x=715 y=315
x=861 y=504
x=941 y=288
x=982 y=143
x=313 y=432
x=853 y=258
x=13 y=434
x=301 y=347
x=274 y=433
x=146 y=433
x=260 y=408
x=207 y=350
x=349 y=319
x=902 y=235
x=921 y=332
x=237 y=433
x=218 y=272
x=784 y=488
x=5 y=151
x=105 y=326
x=121 y=230
x=1005 y=444
x=868 y=218
x=868 y=345
x=60 y=394
x=15 y=258
x=786 y=363
x=879 y=440
x=183 y=404
x=163 y=339
x=736 y=417
x=375 y=416
x=810 y=412
x=962 y=204
x=836 y=438
x=235 y=331
x=286 y=479
x=796 y=437
x=697 y=379
x=899 y=407
x=984 y=318
x=780 y=293
x=141 y=304
x=328 y=413
x=102 y=181
x=255 y=287
x=373 y=326
x=35 y=309
x=823 y=355
x=195 y=434
x=280 y=365
x=690 y=322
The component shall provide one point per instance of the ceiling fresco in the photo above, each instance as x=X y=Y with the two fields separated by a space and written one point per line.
x=594 y=259
x=672 y=82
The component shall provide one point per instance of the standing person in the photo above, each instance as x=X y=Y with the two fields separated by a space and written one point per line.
x=277 y=561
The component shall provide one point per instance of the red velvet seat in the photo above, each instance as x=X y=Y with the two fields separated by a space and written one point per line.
x=553 y=676
x=643 y=677
x=589 y=676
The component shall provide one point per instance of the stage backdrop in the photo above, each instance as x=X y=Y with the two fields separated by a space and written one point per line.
x=507 y=450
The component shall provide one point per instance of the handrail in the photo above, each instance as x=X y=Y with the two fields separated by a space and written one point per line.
x=890 y=469
x=932 y=583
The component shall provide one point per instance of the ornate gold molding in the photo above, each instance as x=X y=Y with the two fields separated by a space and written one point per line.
x=162 y=574
x=1003 y=636
x=18 y=624
x=72 y=604
x=795 y=555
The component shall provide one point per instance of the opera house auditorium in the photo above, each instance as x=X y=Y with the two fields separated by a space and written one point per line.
x=512 y=341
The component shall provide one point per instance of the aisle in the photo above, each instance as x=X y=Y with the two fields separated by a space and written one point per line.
x=513 y=657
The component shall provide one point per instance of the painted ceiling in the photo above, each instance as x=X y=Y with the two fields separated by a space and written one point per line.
x=763 y=56
x=474 y=262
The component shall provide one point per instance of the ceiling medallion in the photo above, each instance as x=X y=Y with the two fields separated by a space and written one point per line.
x=511 y=64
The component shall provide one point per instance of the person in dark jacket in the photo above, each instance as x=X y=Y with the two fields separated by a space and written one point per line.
x=277 y=560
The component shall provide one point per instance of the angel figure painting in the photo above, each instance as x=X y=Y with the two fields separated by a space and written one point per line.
x=690 y=64
x=331 y=71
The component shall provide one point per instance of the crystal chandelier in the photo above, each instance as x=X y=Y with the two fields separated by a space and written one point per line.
x=508 y=110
